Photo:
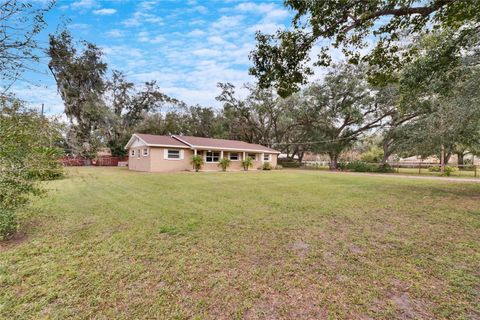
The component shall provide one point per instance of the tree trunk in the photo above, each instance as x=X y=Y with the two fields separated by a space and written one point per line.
x=447 y=158
x=300 y=156
x=460 y=160
x=386 y=152
x=333 y=161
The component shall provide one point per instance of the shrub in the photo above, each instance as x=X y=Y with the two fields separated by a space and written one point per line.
x=278 y=167
x=267 y=166
x=448 y=170
x=342 y=166
x=48 y=166
x=197 y=162
x=359 y=166
x=8 y=224
x=374 y=155
x=224 y=163
x=27 y=154
x=247 y=163
x=384 y=168
x=288 y=163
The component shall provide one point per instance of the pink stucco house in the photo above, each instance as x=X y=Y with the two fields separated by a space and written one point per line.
x=155 y=153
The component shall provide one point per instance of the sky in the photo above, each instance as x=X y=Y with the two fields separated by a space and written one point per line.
x=187 y=46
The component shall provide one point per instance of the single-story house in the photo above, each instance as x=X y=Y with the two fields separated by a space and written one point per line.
x=154 y=153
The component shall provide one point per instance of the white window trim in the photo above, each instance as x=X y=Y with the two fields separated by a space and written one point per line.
x=219 y=156
x=268 y=157
x=254 y=158
x=238 y=156
x=132 y=153
x=165 y=154
x=145 y=154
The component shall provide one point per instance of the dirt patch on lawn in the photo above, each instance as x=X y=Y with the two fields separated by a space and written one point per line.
x=353 y=248
x=409 y=308
x=300 y=248
x=17 y=238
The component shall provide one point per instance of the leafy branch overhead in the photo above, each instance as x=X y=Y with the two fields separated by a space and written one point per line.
x=20 y=24
x=283 y=60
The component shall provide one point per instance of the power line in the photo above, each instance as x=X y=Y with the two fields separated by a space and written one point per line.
x=312 y=142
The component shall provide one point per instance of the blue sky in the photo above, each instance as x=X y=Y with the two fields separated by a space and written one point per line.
x=186 y=46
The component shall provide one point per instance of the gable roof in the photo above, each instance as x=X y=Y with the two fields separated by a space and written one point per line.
x=198 y=143
x=156 y=141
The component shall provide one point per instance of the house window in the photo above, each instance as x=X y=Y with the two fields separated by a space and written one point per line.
x=233 y=156
x=212 y=156
x=132 y=152
x=145 y=152
x=266 y=157
x=253 y=156
x=173 y=154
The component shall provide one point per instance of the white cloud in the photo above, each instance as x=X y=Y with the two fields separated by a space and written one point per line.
x=205 y=52
x=115 y=33
x=145 y=36
x=269 y=28
x=226 y=22
x=190 y=54
x=196 y=33
x=34 y=96
x=147 y=5
x=122 y=51
x=196 y=22
x=140 y=18
x=84 y=4
x=216 y=40
x=104 y=12
x=252 y=7
x=79 y=26
x=201 y=9
x=270 y=11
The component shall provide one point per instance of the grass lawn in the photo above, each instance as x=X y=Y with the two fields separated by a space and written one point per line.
x=107 y=243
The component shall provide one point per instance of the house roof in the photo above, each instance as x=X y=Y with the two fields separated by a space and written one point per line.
x=224 y=144
x=199 y=143
x=156 y=141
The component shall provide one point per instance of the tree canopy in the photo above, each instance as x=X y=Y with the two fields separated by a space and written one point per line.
x=282 y=60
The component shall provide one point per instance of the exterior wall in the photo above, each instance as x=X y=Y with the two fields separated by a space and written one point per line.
x=236 y=165
x=273 y=159
x=155 y=162
x=139 y=162
x=159 y=164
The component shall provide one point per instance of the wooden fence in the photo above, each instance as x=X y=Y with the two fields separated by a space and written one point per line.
x=467 y=170
x=104 y=161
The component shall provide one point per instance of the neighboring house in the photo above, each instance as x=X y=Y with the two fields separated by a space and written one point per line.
x=104 y=152
x=154 y=153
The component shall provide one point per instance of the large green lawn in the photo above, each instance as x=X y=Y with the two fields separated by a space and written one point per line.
x=113 y=244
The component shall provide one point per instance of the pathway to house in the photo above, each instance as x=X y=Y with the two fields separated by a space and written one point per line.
x=404 y=176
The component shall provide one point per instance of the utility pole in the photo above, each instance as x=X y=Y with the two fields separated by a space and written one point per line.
x=42 y=111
